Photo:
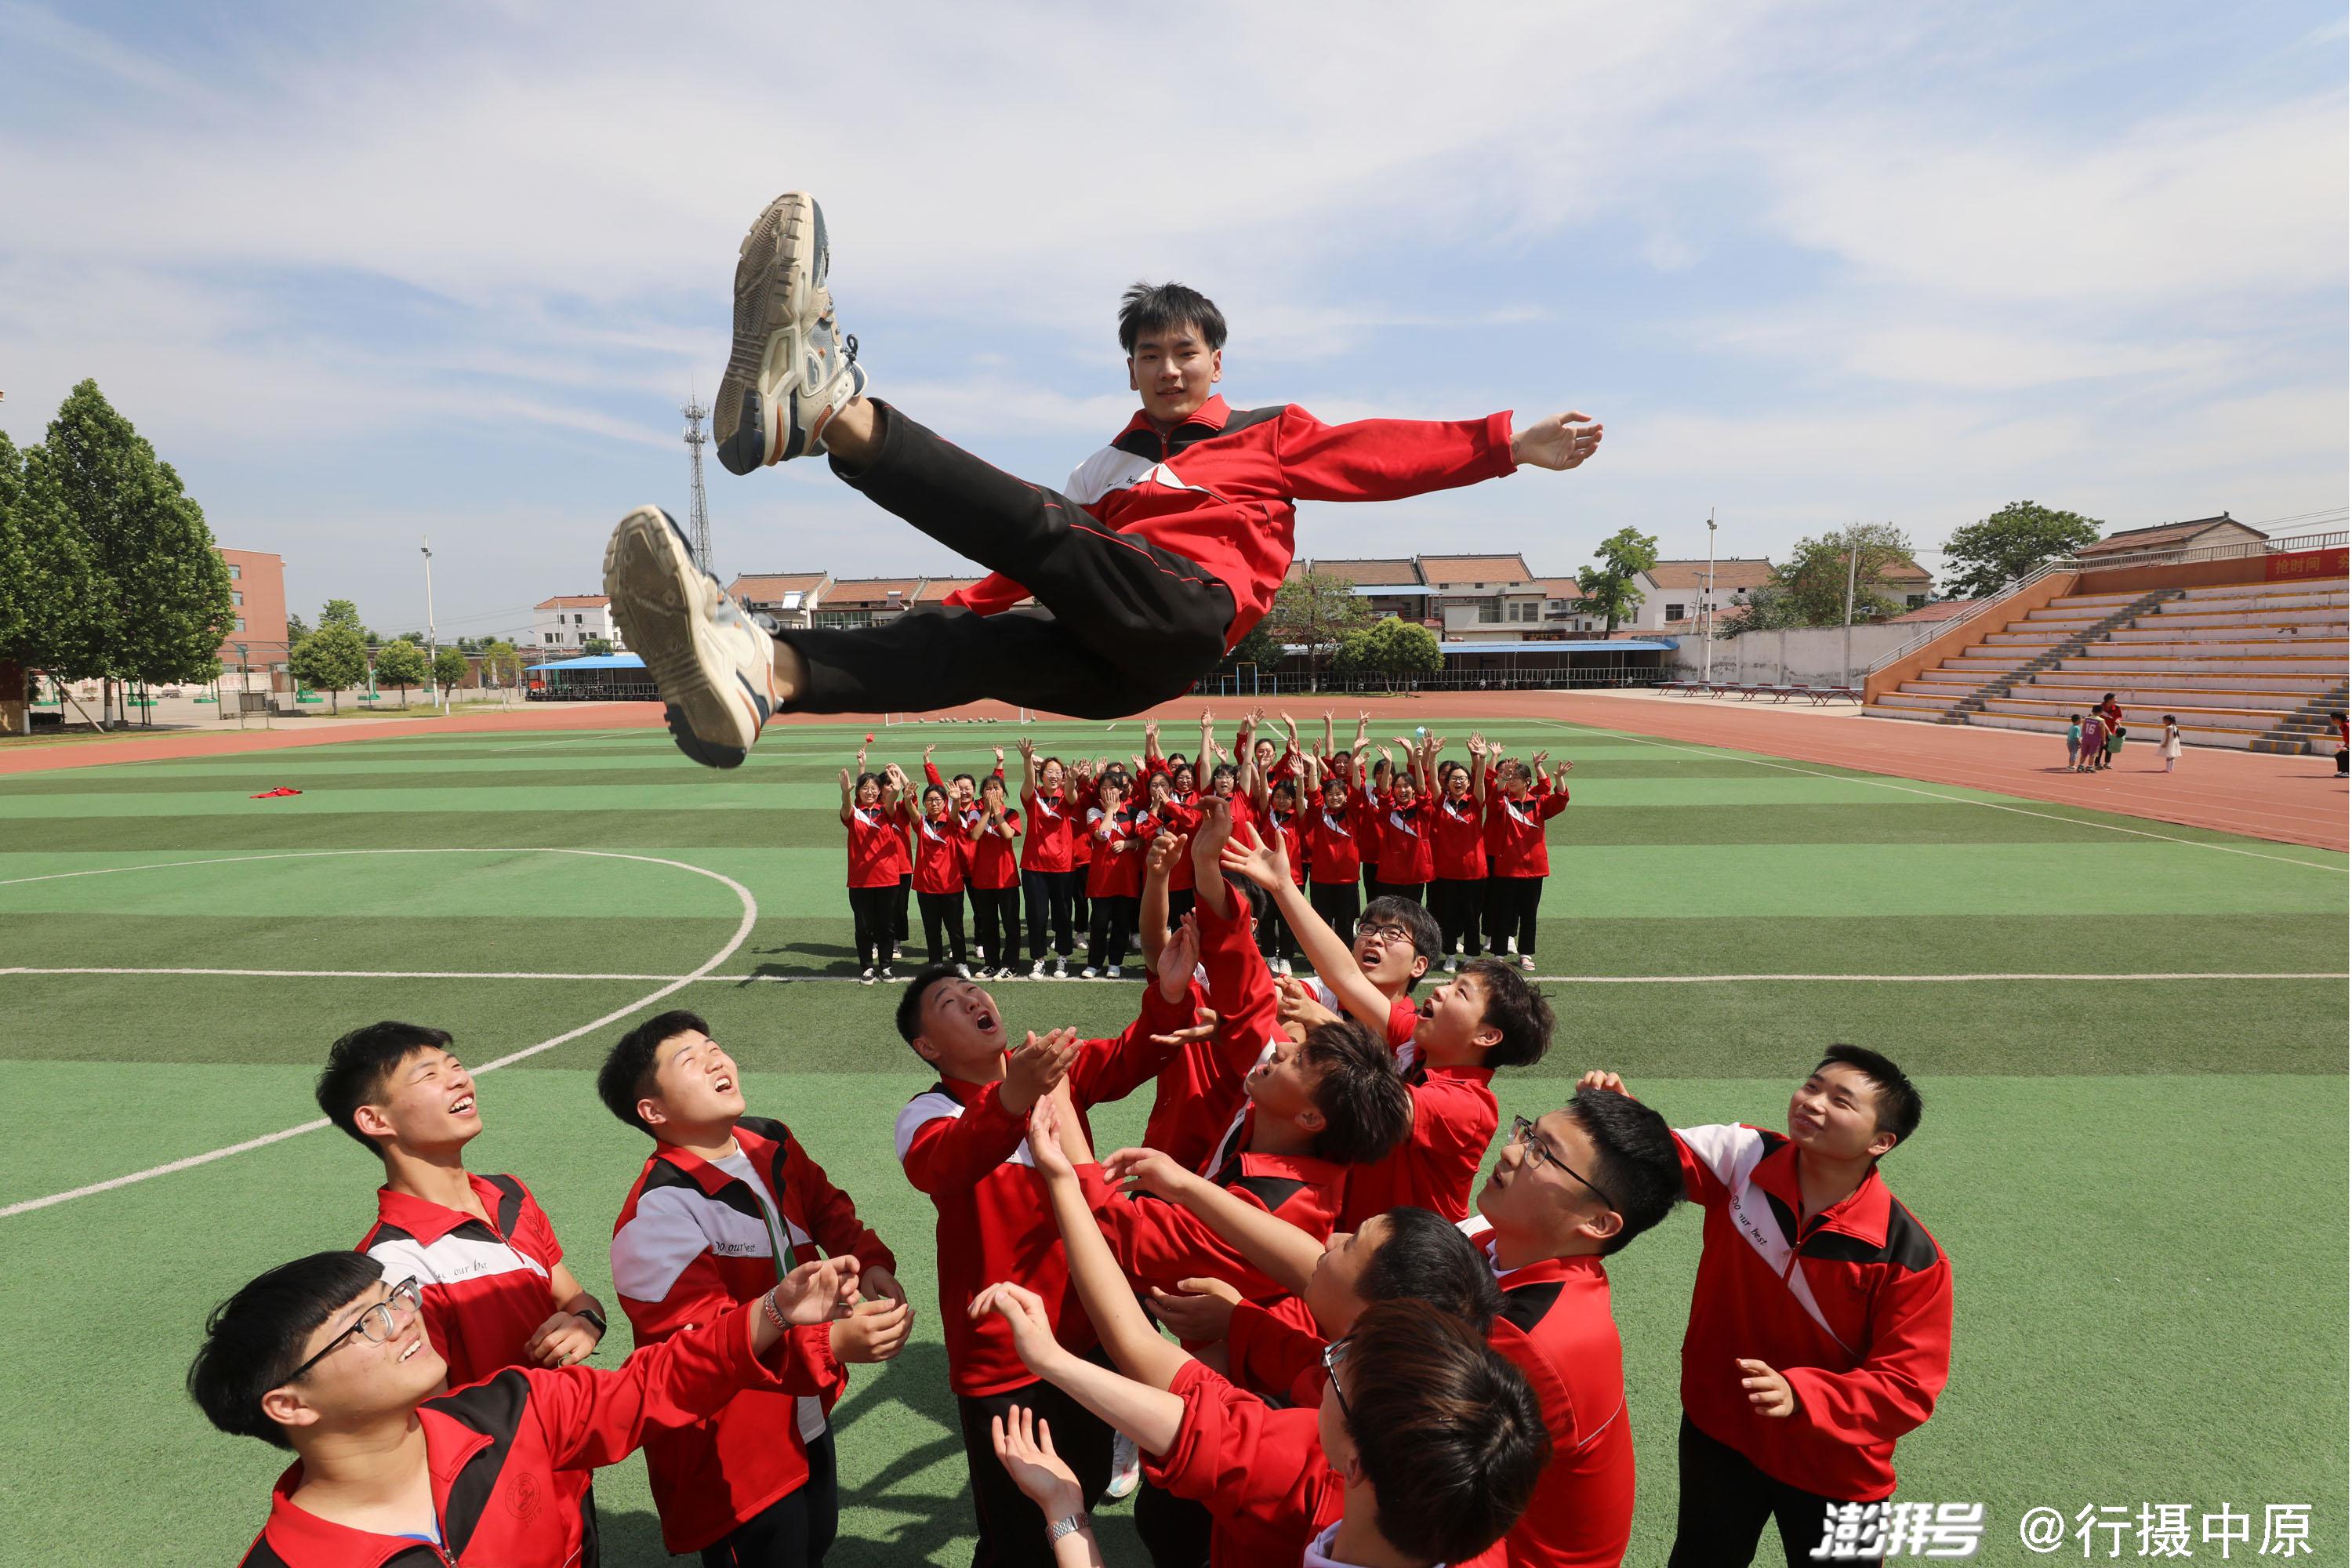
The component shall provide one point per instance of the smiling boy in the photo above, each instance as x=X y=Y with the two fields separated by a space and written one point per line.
x=727 y=1204
x=327 y=1358
x=1821 y=1326
x=1165 y=548
x=490 y=1270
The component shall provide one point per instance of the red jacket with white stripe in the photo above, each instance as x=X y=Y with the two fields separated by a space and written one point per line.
x=1454 y=1119
x=487 y=1287
x=500 y=1453
x=969 y=1154
x=1222 y=488
x=1515 y=832
x=692 y=1241
x=1854 y=1307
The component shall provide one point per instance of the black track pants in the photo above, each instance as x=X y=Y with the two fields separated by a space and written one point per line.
x=1121 y=624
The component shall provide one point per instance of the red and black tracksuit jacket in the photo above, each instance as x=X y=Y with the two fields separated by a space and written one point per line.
x=1854 y=1307
x=498 y=1451
x=692 y=1241
x=1222 y=488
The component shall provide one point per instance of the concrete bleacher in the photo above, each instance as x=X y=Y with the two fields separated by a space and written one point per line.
x=2256 y=666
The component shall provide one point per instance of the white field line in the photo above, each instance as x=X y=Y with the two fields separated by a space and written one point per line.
x=742 y=932
x=702 y=977
x=1726 y=753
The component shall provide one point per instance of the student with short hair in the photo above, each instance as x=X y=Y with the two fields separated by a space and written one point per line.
x=1820 y=1327
x=940 y=878
x=963 y=1145
x=2094 y=743
x=994 y=876
x=494 y=1288
x=1334 y=852
x=326 y=1357
x=1518 y=862
x=1458 y=887
x=1425 y=1453
x=727 y=1204
x=1403 y=813
x=1045 y=848
x=1116 y=835
x=872 y=812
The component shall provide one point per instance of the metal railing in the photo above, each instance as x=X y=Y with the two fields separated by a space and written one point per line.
x=1931 y=630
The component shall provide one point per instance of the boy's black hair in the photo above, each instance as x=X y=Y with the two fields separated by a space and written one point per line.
x=1899 y=1105
x=966 y=778
x=1367 y=1110
x=1451 y=1437
x=1518 y=1008
x=1164 y=307
x=2076 y=718
x=253 y=1340
x=358 y=1065
x=911 y=1001
x=1426 y=1257
x=1634 y=1159
x=1427 y=938
x=627 y=1075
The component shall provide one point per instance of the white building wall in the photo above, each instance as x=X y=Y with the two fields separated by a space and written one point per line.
x=568 y=629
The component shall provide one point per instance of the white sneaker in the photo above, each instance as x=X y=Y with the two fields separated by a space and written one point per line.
x=791 y=371
x=1037 y=969
x=1112 y=973
x=1087 y=973
x=963 y=971
x=1006 y=973
x=1453 y=965
x=1283 y=968
x=715 y=670
x=1527 y=962
x=1061 y=969
x=1125 y=1467
x=867 y=978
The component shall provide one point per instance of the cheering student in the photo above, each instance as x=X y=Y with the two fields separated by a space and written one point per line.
x=1820 y=1327
x=1333 y=852
x=1045 y=860
x=1166 y=549
x=1278 y=805
x=1518 y=862
x=1425 y=1453
x=490 y=1273
x=1081 y=787
x=938 y=880
x=994 y=878
x=1170 y=815
x=871 y=808
x=1404 y=816
x=963 y=799
x=326 y=1357
x=962 y=1144
x=727 y=1204
x=1118 y=834
x=1457 y=884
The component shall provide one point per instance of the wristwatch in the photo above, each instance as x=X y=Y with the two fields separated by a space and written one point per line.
x=595 y=1317
x=1069 y=1524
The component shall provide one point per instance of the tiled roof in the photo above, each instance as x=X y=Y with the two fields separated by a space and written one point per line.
x=1732 y=574
x=938 y=588
x=1942 y=610
x=1450 y=569
x=1904 y=570
x=573 y=602
x=764 y=586
x=848 y=591
x=2156 y=536
x=1370 y=573
x=1560 y=587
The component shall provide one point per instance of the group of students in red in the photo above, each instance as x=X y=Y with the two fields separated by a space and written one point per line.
x=1376 y=1359
x=1465 y=840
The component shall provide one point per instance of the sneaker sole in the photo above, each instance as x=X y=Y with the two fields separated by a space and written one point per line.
x=651 y=580
x=778 y=270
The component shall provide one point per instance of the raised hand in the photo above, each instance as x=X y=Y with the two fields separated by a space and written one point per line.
x=1034 y=1066
x=1204 y=1310
x=1024 y=1314
x=874 y=1331
x=816 y=1292
x=1597 y=1078
x=1266 y=864
x=844 y=779
x=1025 y=1446
x=1293 y=1004
x=1179 y=956
x=1149 y=1171
x=1558 y=441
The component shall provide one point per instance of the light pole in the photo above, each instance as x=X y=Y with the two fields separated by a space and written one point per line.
x=244 y=681
x=430 y=646
x=1706 y=649
x=1853 y=560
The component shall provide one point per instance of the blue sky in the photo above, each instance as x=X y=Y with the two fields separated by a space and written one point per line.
x=371 y=274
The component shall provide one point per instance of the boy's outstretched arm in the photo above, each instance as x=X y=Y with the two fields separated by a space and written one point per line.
x=1274 y=1247
x=1267 y=865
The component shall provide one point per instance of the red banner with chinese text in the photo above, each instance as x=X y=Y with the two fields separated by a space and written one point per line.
x=2305 y=563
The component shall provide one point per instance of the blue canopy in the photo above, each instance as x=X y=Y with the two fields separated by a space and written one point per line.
x=597 y=661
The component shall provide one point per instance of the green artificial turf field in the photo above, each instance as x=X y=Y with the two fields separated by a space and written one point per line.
x=2134 y=1148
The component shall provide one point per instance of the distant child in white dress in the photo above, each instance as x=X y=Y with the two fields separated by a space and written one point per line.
x=2171 y=746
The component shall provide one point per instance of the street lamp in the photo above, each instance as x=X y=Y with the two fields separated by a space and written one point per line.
x=1706 y=650
x=430 y=648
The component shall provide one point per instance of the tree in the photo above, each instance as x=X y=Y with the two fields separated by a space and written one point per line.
x=297 y=628
x=1609 y=589
x=163 y=602
x=1259 y=647
x=401 y=663
x=502 y=662
x=416 y=637
x=48 y=595
x=1314 y=609
x=330 y=659
x=1391 y=649
x=344 y=613
x=1770 y=609
x=2015 y=542
x=450 y=668
x=1815 y=574
x=594 y=647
